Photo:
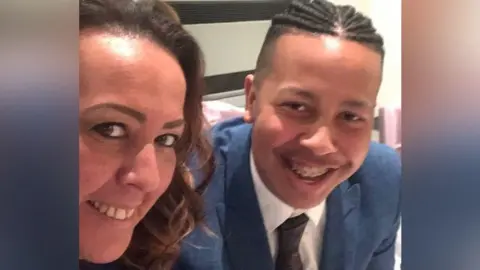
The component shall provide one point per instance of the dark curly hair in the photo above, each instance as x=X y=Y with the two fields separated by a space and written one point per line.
x=156 y=238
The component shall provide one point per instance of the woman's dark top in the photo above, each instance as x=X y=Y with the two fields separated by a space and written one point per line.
x=91 y=266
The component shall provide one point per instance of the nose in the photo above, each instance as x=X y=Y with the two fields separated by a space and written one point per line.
x=319 y=141
x=144 y=173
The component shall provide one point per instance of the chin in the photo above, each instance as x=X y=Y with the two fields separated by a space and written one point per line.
x=103 y=254
x=104 y=257
x=305 y=194
x=309 y=201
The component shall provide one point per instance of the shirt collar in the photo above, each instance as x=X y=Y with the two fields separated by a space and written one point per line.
x=275 y=211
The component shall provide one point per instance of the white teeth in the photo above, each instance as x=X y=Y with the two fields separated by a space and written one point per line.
x=112 y=212
x=121 y=214
x=308 y=172
x=103 y=208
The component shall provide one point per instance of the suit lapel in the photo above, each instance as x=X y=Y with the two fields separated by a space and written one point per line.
x=244 y=232
x=340 y=234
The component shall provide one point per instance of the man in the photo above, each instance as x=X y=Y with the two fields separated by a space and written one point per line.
x=298 y=183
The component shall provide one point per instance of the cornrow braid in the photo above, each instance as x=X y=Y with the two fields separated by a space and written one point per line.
x=321 y=17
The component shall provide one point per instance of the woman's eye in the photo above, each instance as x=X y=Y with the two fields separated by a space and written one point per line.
x=167 y=140
x=111 y=130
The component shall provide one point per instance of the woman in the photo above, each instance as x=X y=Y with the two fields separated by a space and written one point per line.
x=141 y=82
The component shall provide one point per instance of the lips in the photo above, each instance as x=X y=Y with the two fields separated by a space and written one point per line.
x=111 y=211
x=308 y=171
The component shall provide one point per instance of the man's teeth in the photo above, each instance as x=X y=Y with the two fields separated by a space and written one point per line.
x=308 y=172
x=112 y=212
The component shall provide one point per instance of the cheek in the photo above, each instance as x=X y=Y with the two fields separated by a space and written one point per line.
x=353 y=146
x=95 y=170
x=274 y=132
x=166 y=163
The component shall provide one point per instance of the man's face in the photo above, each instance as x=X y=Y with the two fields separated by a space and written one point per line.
x=312 y=115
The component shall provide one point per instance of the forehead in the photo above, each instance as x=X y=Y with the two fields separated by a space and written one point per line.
x=325 y=62
x=129 y=70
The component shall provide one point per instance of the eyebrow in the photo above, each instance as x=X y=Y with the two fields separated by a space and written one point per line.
x=358 y=104
x=298 y=91
x=140 y=117
x=174 y=124
x=308 y=95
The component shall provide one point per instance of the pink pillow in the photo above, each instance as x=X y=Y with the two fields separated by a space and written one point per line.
x=217 y=111
x=391 y=126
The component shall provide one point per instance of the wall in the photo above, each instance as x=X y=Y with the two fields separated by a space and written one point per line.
x=231 y=48
x=387 y=16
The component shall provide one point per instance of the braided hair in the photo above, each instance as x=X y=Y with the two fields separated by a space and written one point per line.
x=319 y=17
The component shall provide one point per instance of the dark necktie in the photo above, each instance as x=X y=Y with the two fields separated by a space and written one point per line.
x=289 y=235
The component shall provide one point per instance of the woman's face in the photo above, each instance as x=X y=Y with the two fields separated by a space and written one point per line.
x=131 y=114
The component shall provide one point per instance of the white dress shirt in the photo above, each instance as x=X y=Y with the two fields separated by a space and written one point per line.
x=398 y=249
x=275 y=212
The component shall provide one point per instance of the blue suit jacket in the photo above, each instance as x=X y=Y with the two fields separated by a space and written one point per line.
x=362 y=217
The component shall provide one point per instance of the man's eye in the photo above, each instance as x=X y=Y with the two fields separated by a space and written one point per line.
x=110 y=130
x=167 y=140
x=299 y=107
x=351 y=117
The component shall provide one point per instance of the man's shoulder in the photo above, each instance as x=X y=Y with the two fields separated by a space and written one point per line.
x=380 y=178
x=382 y=161
x=231 y=142
x=379 y=185
x=229 y=131
x=230 y=137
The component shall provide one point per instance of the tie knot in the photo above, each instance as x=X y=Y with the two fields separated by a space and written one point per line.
x=294 y=223
x=289 y=235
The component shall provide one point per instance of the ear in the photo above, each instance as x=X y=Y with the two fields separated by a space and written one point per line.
x=250 y=97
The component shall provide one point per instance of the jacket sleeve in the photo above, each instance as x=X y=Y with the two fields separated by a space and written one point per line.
x=384 y=256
